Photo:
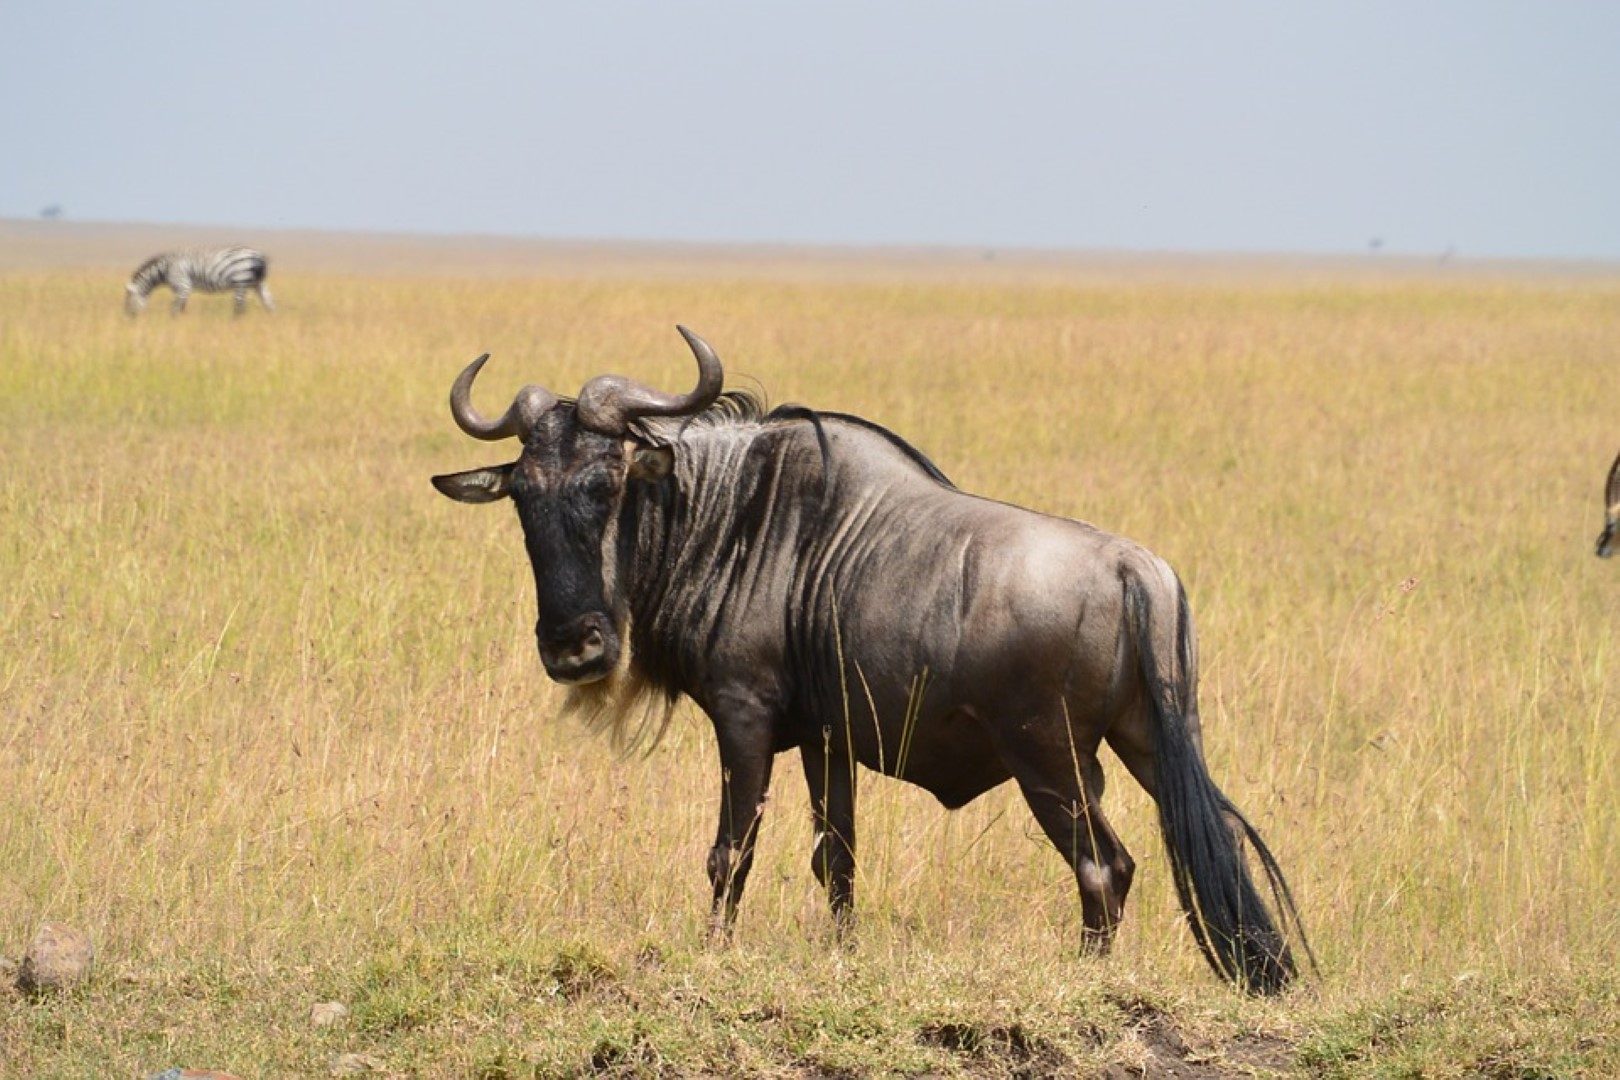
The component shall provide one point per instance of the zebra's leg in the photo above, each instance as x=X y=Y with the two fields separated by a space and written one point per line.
x=181 y=295
x=240 y=301
x=264 y=296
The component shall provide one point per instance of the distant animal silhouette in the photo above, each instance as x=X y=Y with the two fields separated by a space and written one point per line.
x=51 y=212
x=233 y=269
x=1611 y=503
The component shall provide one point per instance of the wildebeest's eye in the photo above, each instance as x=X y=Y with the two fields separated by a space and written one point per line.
x=598 y=487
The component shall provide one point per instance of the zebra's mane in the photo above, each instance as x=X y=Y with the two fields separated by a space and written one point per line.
x=151 y=267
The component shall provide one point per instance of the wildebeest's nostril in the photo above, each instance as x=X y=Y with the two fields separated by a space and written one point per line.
x=585 y=645
x=590 y=648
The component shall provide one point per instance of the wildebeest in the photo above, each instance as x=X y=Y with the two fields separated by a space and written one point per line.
x=814 y=583
x=1611 y=515
x=231 y=269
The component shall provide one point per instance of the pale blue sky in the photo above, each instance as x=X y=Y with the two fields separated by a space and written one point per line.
x=1313 y=127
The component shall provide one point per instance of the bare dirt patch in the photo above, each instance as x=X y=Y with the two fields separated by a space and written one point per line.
x=1153 y=1047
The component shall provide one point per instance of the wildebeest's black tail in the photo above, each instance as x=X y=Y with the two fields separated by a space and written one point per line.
x=1227 y=916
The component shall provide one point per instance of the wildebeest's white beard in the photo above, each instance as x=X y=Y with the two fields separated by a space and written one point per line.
x=634 y=713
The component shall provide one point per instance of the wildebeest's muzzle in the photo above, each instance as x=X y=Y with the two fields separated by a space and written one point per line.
x=585 y=649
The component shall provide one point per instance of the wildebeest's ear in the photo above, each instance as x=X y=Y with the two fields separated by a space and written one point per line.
x=651 y=462
x=477 y=485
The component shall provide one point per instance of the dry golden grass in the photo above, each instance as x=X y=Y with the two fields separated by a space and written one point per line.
x=273 y=729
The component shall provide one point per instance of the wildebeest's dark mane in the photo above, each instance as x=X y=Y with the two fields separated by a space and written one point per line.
x=732 y=407
x=666 y=620
x=736 y=407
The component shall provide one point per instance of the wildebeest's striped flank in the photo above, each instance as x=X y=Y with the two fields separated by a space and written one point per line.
x=233 y=269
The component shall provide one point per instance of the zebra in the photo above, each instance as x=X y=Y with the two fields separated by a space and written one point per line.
x=237 y=269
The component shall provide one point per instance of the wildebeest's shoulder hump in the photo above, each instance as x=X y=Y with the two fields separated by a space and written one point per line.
x=819 y=419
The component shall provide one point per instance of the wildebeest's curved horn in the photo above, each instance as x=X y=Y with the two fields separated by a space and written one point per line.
x=609 y=402
x=531 y=403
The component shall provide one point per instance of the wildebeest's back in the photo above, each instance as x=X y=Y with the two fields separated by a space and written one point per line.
x=945 y=603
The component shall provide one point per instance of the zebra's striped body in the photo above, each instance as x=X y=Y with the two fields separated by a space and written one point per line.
x=232 y=269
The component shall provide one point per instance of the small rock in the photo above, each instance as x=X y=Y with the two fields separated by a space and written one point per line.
x=59 y=959
x=327 y=1013
x=350 y=1064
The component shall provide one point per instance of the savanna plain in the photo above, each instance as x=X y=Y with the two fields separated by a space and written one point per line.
x=274 y=731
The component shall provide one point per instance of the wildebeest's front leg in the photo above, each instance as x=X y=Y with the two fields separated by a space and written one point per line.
x=743 y=729
x=831 y=776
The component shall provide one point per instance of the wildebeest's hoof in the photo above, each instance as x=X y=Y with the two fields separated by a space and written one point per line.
x=719 y=935
x=1096 y=942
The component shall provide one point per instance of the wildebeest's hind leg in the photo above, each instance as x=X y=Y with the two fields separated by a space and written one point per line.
x=744 y=734
x=831 y=777
x=1064 y=786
